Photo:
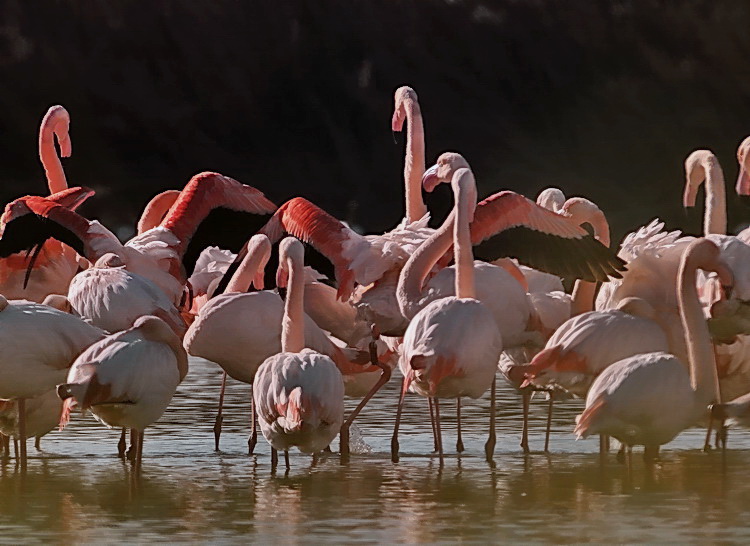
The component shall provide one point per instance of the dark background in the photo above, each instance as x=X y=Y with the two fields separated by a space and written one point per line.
x=601 y=98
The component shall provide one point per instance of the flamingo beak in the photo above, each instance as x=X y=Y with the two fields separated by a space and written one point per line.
x=430 y=178
x=688 y=197
x=397 y=123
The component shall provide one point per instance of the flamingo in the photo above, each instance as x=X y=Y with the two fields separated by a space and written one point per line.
x=452 y=345
x=127 y=379
x=239 y=331
x=155 y=254
x=299 y=393
x=110 y=297
x=39 y=345
x=54 y=265
x=649 y=398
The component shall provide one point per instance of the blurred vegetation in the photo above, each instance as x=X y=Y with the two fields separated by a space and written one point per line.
x=604 y=98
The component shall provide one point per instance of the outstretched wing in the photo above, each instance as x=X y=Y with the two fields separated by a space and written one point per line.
x=510 y=225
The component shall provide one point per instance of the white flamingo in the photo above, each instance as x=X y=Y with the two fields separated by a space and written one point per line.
x=648 y=399
x=127 y=379
x=299 y=393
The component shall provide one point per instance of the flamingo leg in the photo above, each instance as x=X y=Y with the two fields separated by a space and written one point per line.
x=549 y=423
x=432 y=424
x=707 y=443
x=253 y=439
x=3 y=448
x=286 y=459
x=274 y=459
x=602 y=445
x=22 y=429
x=15 y=448
x=394 y=438
x=526 y=397
x=385 y=376
x=459 y=440
x=219 y=415
x=38 y=443
x=489 y=447
x=133 y=449
x=437 y=426
x=139 y=454
x=121 y=445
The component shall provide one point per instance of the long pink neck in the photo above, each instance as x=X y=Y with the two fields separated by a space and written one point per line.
x=414 y=166
x=703 y=377
x=55 y=122
x=462 y=189
x=293 y=323
x=157 y=209
x=258 y=252
x=715 y=215
x=409 y=288
x=584 y=292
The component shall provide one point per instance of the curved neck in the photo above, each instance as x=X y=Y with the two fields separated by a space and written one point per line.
x=703 y=377
x=253 y=263
x=584 y=292
x=715 y=215
x=409 y=288
x=414 y=163
x=48 y=155
x=293 y=323
x=462 y=236
x=157 y=209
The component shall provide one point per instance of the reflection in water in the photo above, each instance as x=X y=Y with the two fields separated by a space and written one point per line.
x=78 y=490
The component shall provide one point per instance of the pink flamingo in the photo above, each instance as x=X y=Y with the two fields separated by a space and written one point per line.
x=299 y=393
x=649 y=398
x=39 y=345
x=155 y=254
x=112 y=298
x=53 y=264
x=452 y=345
x=127 y=379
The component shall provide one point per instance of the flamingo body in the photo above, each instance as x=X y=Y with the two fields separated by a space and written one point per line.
x=39 y=344
x=636 y=400
x=300 y=400
x=451 y=348
x=128 y=379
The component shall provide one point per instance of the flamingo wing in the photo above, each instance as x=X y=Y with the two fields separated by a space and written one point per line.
x=213 y=209
x=510 y=225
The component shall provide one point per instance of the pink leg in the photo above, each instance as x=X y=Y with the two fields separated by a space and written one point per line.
x=385 y=376
x=22 y=429
x=394 y=438
x=432 y=424
x=437 y=426
x=549 y=423
x=121 y=445
x=459 y=440
x=219 y=416
x=526 y=396
x=253 y=439
x=489 y=447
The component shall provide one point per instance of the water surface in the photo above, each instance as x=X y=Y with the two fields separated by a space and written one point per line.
x=77 y=489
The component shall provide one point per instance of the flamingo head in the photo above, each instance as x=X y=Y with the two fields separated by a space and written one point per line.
x=704 y=254
x=442 y=171
x=695 y=174
x=583 y=211
x=404 y=95
x=551 y=199
x=290 y=251
x=743 y=158
x=109 y=260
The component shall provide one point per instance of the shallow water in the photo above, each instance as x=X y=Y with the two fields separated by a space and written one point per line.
x=77 y=489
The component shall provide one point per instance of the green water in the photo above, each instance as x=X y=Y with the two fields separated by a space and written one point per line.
x=77 y=489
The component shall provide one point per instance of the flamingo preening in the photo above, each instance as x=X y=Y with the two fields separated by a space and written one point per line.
x=127 y=379
x=649 y=398
x=298 y=393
